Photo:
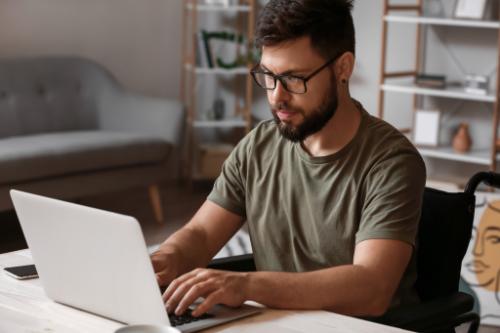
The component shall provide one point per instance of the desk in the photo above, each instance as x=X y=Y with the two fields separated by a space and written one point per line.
x=24 y=307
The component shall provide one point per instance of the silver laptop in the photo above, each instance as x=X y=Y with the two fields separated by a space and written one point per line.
x=97 y=261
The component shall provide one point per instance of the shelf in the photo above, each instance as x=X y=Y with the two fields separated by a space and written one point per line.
x=451 y=92
x=220 y=8
x=443 y=21
x=218 y=70
x=227 y=123
x=478 y=156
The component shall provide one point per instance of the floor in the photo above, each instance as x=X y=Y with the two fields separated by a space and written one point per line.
x=179 y=203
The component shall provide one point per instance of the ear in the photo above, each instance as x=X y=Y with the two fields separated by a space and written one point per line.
x=344 y=66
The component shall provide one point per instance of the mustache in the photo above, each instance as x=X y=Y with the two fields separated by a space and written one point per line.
x=284 y=106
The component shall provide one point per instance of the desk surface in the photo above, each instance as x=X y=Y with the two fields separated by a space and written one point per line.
x=24 y=307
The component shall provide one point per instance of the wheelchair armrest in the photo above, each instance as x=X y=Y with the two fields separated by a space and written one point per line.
x=444 y=312
x=241 y=263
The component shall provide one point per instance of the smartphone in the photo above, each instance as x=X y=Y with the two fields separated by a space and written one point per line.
x=22 y=272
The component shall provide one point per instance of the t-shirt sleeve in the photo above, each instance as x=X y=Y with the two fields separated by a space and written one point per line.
x=393 y=199
x=229 y=188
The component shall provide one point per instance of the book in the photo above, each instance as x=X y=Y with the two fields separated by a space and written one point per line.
x=430 y=81
x=206 y=36
x=201 y=57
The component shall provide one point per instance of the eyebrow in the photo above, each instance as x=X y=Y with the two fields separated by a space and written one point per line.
x=492 y=229
x=288 y=72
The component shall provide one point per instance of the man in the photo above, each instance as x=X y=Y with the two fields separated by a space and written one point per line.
x=331 y=195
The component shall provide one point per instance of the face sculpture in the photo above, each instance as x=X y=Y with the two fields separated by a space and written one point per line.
x=481 y=265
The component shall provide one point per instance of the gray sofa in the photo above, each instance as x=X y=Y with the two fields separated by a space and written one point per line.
x=69 y=130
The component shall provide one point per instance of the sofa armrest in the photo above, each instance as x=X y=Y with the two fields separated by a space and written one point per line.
x=123 y=111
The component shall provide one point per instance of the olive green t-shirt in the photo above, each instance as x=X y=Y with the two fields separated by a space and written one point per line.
x=307 y=213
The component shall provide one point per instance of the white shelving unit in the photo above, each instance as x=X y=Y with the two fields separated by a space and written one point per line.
x=239 y=118
x=219 y=8
x=231 y=123
x=484 y=157
x=481 y=157
x=442 y=21
x=451 y=92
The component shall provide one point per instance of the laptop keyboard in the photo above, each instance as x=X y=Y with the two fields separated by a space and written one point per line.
x=187 y=318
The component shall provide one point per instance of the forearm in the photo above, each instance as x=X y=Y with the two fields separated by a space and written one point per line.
x=195 y=244
x=190 y=244
x=346 y=289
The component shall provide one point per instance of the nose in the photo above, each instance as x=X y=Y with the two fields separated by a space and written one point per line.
x=478 y=247
x=279 y=94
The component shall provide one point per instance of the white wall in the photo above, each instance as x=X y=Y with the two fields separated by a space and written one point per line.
x=138 y=40
x=367 y=20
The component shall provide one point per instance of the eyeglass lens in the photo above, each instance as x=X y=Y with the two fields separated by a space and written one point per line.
x=290 y=83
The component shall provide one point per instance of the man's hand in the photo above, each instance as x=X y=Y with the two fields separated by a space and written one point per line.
x=166 y=266
x=216 y=287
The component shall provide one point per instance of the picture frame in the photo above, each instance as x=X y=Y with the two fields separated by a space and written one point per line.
x=426 y=128
x=470 y=9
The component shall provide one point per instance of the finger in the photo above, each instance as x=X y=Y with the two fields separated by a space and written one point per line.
x=208 y=303
x=181 y=290
x=174 y=285
x=179 y=281
x=198 y=290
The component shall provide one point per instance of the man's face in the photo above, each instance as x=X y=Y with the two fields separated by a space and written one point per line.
x=300 y=115
x=485 y=262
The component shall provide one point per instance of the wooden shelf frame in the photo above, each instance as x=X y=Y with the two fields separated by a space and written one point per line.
x=490 y=157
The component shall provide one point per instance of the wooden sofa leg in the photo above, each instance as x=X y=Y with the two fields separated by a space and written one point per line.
x=154 y=196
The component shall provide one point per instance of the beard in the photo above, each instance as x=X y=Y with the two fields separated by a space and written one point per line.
x=313 y=122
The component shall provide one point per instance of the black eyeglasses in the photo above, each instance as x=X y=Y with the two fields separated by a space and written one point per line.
x=291 y=83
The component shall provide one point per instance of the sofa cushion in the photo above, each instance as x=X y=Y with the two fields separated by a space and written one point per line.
x=40 y=95
x=54 y=154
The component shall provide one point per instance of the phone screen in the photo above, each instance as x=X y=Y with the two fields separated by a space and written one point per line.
x=22 y=272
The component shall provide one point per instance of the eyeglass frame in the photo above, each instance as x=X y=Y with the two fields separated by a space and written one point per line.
x=279 y=77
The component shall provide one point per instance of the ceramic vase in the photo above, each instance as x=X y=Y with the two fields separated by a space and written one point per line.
x=462 y=141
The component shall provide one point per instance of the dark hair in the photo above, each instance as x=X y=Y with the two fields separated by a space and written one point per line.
x=328 y=23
